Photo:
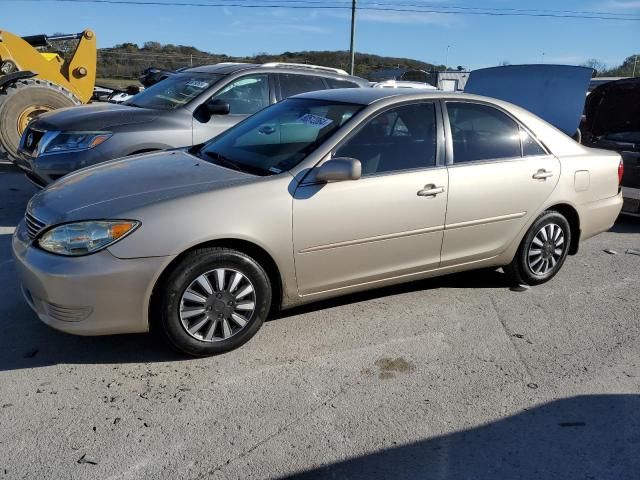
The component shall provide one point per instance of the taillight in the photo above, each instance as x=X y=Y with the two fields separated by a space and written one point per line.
x=620 y=172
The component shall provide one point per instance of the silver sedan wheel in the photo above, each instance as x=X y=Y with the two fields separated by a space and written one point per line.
x=217 y=305
x=546 y=249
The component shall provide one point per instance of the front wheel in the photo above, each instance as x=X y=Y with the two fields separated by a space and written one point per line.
x=23 y=101
x=213 y=301
x=542 y=251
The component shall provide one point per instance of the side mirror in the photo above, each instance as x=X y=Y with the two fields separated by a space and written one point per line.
x=218 y=107
x=338 y=169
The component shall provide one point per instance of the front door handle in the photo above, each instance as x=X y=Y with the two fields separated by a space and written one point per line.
x=267 y=130
x=430 y=190
x=542 y=174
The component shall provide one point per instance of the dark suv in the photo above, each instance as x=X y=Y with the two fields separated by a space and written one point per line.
x=187 y=108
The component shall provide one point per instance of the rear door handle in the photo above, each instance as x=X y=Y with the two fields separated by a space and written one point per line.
x=430 y=190
x=542 y=174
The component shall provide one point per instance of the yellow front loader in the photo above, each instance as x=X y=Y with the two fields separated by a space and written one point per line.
x=34 y=82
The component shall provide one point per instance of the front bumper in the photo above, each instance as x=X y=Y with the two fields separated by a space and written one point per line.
x=46 y=169
x=97 y=294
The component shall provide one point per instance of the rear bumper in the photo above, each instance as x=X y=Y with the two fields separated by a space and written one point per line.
x=97 y=294
x=599 y=216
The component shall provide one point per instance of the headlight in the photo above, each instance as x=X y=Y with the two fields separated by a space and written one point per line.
x=71 y=141
x=83 y=238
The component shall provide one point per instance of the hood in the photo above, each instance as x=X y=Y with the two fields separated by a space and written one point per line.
x=614 y=107
x=553 y=92
x=111 y=188
x=93 y=117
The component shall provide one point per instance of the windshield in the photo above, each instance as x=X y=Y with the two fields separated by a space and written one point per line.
x=279 y=137
x=174 y=91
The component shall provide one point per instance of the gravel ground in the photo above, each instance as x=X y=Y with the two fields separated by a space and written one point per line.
x=450 y=378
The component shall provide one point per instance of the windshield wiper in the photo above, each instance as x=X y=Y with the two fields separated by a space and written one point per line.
x=225 y=162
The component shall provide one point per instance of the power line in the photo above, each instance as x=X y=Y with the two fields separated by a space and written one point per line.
x=391 y=3
x=305 y=5
x=496 y=9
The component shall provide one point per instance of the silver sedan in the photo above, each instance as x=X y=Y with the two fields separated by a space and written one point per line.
x=324 y=194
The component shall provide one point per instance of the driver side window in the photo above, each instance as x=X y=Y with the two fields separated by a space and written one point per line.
x=246 y=95
x=401 y=138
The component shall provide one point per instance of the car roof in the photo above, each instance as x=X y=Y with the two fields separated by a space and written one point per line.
x=226 y=68
x=222 y=68
x=367 y=96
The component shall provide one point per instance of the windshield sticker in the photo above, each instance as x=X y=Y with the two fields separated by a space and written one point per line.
x=275 y=170
x=197 y=84
x=314 y=120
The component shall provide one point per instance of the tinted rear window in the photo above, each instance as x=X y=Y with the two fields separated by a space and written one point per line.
x=481 y=132
x=291 y=84
x=333 y=83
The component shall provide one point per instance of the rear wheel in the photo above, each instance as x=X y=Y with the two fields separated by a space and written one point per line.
x=214 y=301
x=23 y=101
x=542 y=251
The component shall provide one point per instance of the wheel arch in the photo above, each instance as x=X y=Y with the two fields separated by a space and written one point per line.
x=255 y=251
x=572 y=216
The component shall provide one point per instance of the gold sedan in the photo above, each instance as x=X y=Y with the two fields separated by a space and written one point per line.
x=324 y=194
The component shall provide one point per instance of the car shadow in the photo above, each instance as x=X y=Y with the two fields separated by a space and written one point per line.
x=626 y=224
x=582 y=437
x=25 y=342
x=483 y=278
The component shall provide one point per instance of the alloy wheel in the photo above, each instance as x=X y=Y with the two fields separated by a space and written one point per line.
x=217 y=305
x=546 y=249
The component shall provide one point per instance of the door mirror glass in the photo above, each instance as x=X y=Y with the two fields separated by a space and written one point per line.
x=218 y=107
x=339 y=169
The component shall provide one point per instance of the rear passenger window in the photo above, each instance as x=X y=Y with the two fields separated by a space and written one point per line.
x=529 y=146
x=481 y=132
x=333 y=83
x=294 y=84
x=401 y=138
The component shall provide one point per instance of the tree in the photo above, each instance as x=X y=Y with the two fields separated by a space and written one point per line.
x=596 y=64
x=629 y=67
x=152 y=45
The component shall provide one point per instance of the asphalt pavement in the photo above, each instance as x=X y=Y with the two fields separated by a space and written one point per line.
x=450 y=378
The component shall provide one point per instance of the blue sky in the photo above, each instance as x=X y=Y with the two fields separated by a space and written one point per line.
x=475 y=41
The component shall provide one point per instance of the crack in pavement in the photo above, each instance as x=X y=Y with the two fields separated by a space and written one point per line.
x=510 y=338
x=279 y=431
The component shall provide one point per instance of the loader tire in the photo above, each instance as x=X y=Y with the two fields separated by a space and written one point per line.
x=22 y=101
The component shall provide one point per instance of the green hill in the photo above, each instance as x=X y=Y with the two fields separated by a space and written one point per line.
x=128 y=60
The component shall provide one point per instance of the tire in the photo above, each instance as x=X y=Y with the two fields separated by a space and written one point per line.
x=199 y=323
x=18 y=97
x=537 y=260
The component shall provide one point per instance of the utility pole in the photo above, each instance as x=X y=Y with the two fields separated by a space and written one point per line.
x=635 y=63
x=353 y=36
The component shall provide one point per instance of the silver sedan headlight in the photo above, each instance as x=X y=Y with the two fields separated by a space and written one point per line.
x=83 y=238
x=73 y=141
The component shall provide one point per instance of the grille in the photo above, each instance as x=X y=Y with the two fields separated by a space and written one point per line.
x=65 y=313
x=34 y=226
